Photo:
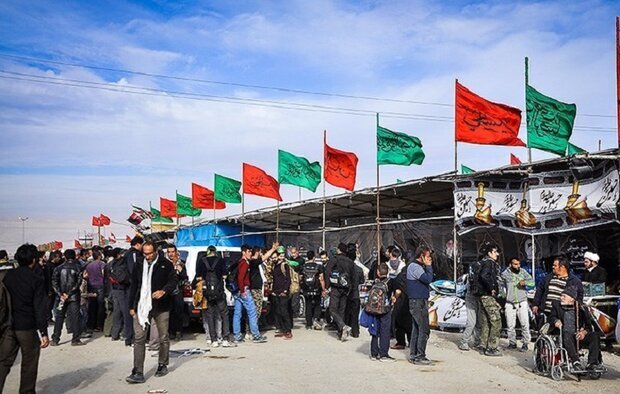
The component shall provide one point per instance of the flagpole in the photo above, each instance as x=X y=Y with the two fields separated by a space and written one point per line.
x=378 y=211
x=324 y=201
x=242 y=217
x=299 y=193
x=277 y=221
x=529 y=160
x=456 y=160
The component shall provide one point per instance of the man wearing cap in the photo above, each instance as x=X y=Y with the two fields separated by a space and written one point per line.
x=553 y=285
x=594 y=273
x=563 y=316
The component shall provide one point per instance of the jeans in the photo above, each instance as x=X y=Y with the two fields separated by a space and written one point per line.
x=313 y=308
x=245 y=301
x=120 y=314
x=472 y=327
x=338 y=306
x=520 y=310
x=28 y=342
x=380 y=345
x=215 y=320
x=161 y=320
x=282 y=313
x=490 y=322
x=420 y=330
x=70 y=310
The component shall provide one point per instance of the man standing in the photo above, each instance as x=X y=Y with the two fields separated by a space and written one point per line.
x=28 y=315
x=177 y=315
x=490 y=318
x=341 y=275
x=66 y=283
x=517 y=281
x=133 y=257
x=244 y=299
x=313 y=287
x=281 y=295
x=119 y=281
x=96 y=307
x=594 y=273
x=152 y=284
x=419 y=278
x=551 y=288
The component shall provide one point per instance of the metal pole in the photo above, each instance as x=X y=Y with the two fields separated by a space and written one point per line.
x=454 y=240
x=324 y=201
x=529 y=158
x=277 y=221
x=23 y=219
x=242 y=217
x=378 y=218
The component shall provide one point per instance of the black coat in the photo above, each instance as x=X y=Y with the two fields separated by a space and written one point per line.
x=557 y=313
x=597 y=275
x=164 y=278
x=543 y=289
x=487 y=279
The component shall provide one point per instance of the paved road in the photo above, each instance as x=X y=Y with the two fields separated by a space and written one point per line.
x=311 y=362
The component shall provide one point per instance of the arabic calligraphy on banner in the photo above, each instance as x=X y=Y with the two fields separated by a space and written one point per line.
x=541 y=203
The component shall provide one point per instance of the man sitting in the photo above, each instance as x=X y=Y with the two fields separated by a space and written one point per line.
x=575 y=328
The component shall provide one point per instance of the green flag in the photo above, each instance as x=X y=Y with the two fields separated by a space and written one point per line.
x=466 y=170
x=227 y=189
x=574 y=149
x=298 y=171
x=398 y=148
x=549 y=122
x=157 y=217
x=185 y=208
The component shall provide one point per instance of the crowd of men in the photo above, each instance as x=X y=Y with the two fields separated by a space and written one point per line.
x=137 y=295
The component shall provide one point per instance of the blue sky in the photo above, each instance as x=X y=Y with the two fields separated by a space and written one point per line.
x=69 y=152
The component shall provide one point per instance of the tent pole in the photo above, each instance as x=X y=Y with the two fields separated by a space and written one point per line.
x=378 y=211
x=324 y=201
x=278 y=221
x=242 y=217
x=454 y=240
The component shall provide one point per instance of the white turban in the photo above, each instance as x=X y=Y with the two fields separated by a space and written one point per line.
x=591 y=256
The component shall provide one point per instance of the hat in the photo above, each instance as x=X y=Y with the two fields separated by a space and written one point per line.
x=281 y=249
x=570 y=291
x=591 y=256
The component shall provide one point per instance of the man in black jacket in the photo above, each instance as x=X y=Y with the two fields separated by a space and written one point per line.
x=341 y=276
x=119 y=282
x=553 y=285
x=152 y=284
x=132 y=258
x=66 y=284
x=28 y=307
x=488 y=288
x=594 y=273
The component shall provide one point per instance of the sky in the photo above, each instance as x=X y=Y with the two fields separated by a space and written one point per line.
x=180 y=90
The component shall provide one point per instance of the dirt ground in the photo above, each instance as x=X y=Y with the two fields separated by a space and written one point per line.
x=312 y=362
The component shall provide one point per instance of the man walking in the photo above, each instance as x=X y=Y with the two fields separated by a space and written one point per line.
x=490 y=318
x=517 y=281
x=419 y=278
x=28 y=317
x=152 y=284
x=341 y=277
x=66 y=283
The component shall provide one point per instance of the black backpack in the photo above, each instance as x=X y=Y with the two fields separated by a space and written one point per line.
x=119 y=272
x=339 y=279
x=311 y=283
x=378 y=300
x=212 y=285
x=473 y=278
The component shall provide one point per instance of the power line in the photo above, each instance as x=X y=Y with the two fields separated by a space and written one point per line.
x=131 y=89
x=236 y=84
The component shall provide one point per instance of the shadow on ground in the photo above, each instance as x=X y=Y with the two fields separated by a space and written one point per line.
x=71 y=380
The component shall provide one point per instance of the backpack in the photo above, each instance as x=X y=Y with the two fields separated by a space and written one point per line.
x=231 y=278
x=212 y=287
x=473 y=278
x=339 y=279
x=119 y=272
x=378 y=300
x=294 y=287
x=311 y=283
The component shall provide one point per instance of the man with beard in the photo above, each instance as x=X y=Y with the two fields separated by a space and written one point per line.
x=517 y=281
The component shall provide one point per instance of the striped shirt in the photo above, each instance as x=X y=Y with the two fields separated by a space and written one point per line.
x=556 y=287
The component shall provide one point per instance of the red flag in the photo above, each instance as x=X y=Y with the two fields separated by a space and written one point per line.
x=514 y=160
x=479 y=121
x=259 y=183
x=77 y=244
x=96 y=221
x=105 y=221
x=340 y=167
x=168 y=208
x=57 y=245
x=127 y=239
x=204 y=198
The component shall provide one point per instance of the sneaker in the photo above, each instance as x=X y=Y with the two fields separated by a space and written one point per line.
x=248 y=337
x=113 y=338
x=523 y=348
x=594 y=367
x=346 y=331
x=263 y=339
x=374 y=358
x=308 y=327
x=225 y=343
x=387 y=359
x=464 y=347
x=493 y=353
x=577 y=367
x=135 y=377
x=54 y=343
x=162 y=370
x=208 y=342
x=239 y=338
x=512 y=346
x=89 y=335
x=422 y=360
x=215 y=344
x=317 y=326
x=288 y=335
x=77 y=343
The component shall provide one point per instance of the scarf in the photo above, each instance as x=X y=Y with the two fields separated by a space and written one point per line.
x=146 y=300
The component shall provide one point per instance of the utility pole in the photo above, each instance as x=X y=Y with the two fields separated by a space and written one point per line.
x=23 y=219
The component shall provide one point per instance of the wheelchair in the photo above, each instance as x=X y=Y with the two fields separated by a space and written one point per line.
x=551 y=358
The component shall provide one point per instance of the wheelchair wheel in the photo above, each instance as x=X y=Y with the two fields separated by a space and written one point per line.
x=544 y=355
x=556 y=372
